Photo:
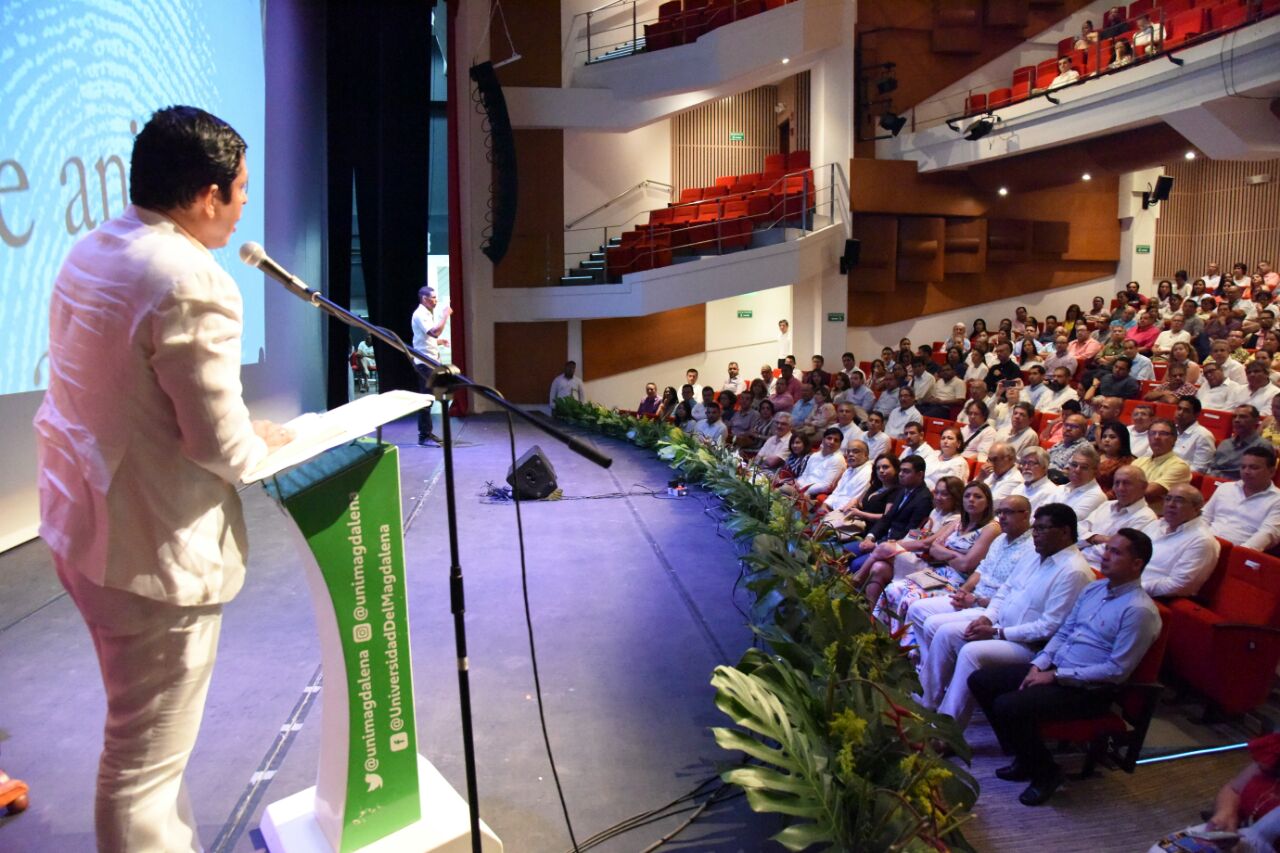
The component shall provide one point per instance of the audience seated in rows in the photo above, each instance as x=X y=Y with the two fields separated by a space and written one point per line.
x=916 y=450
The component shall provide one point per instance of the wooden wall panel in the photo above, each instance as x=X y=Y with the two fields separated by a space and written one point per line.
x=920 y=248
x=1034 y=240
x=618 y=344
x=535 y=28
x=527 y=356
x=700 y=146
x=1212 y=215
x=897 y=186
x=536 y=255
x=965 y=251
x=961 y=291
x=877 y=268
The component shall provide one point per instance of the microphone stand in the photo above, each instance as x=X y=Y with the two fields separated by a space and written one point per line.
x=444 y=381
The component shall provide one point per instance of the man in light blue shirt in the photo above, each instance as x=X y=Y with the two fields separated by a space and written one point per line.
x=804 y=406
x=1110 y=628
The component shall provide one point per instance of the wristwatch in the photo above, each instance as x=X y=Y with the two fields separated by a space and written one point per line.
x=999 y=633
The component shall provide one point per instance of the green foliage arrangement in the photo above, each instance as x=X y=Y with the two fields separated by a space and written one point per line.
x=824 y=712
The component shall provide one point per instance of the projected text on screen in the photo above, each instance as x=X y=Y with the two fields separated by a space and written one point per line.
x=77 y=81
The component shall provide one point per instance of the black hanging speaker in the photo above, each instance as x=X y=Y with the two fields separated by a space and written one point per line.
x=533 y=478
x=852 y=251
x=1164 y=185
x=502 y=157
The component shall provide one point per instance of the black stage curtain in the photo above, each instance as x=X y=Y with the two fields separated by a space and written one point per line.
x=379 y=89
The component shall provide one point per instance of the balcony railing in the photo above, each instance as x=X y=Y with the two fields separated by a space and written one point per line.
x=1121 y=44
x=626 y=27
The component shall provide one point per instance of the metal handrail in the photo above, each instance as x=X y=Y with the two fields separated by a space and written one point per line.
x=645 y=184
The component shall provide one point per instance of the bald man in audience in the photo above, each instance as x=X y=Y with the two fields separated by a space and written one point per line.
x=1185 y=547
x=964 y=605
x=853 y=482
x=1129 y=509
x=1162 y=467
x=1247 y=512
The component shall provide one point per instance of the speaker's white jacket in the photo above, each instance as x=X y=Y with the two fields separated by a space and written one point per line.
x=143 y=431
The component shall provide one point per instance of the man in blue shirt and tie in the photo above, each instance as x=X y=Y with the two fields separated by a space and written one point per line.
x=1110 y=628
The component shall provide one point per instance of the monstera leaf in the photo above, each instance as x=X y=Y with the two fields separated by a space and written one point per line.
x=782 y=734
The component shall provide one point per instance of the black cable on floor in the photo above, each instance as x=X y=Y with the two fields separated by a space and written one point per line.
x=533 y=653
x=722 y=792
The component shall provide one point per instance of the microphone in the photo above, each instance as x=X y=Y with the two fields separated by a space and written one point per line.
x=255 y=256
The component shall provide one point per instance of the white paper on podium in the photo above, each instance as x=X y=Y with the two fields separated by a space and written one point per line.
x=316 y=432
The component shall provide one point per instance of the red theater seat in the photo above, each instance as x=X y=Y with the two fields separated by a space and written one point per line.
x=797 y=160
x=999 y=98
x=689 y=194
x=1119 y=732
x=1218 y=423
x=1185 y=26
x=1137 y=7
x=1228 y=15
x=975 y=103
x=1226 y=644
x=1021 y=90
x=1066 y=45
x=670 y=9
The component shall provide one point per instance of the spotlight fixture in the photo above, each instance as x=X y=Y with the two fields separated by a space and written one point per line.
x=892 y=122
x=886 y=84
x=1003 y=191
x=982 y=126
x=1190 y=155
x=1086 y=177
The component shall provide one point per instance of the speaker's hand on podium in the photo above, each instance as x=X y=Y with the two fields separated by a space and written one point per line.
x=273 y=433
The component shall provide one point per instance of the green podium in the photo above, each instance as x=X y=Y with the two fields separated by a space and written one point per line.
x=374 y=791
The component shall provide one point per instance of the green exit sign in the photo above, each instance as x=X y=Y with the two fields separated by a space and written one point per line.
x=737 y=136
x=835 y=317
x=1144 y=250
x=744 y=315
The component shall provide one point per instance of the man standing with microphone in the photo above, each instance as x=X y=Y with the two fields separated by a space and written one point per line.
x=426 y=336
x=143 y=435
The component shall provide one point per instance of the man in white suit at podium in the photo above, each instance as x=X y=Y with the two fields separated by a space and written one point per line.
x=143 y=435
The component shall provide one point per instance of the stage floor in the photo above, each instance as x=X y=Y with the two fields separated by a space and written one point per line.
x=633 y=605
x=632 y=610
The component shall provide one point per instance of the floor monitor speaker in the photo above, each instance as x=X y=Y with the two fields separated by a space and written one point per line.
x=533 y=478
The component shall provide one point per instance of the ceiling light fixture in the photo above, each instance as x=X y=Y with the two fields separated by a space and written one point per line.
x=1190 y=155
x=1003 y=191
x=786 y=60
x=1086 y=177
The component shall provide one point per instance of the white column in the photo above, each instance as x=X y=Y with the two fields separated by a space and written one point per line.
x=1137 y=229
